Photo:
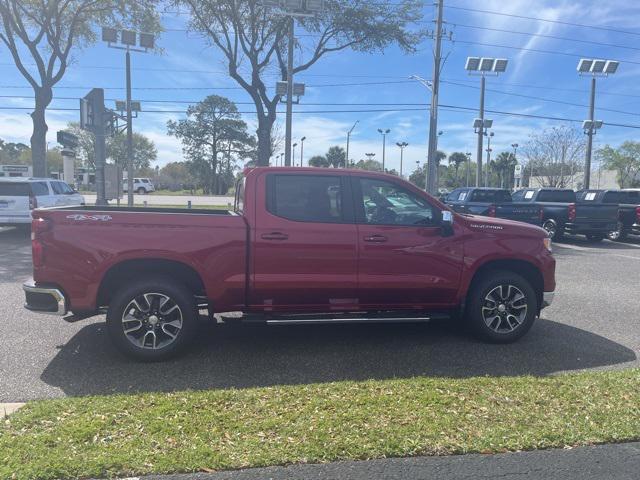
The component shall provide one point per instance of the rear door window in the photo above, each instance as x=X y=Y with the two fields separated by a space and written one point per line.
x=486 y=196
x=560 y=196
x=40 y=189
x=306 y=198
x=61 y=188
x=11 y=189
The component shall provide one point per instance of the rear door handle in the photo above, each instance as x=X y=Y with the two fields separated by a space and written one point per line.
x=375 y=238
x=274 y=236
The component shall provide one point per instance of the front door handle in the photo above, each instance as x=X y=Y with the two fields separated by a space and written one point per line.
x=274 y=236
x=375 y=238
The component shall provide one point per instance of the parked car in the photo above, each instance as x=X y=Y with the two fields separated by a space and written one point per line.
x=140 y=185
x=565 y=212
x=19 y=196
x=493 y=202
x=628 y=202
x=302 y=245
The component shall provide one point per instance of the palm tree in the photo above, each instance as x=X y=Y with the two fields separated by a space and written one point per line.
x=504 y=165
x=457 y=158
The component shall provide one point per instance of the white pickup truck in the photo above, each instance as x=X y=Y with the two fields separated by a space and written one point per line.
x=19 y=195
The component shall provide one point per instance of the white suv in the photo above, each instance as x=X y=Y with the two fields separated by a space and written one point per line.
x=18 y=196
x=140 y=185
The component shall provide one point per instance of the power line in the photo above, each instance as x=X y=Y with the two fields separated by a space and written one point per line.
x=452 y=108
x=535 y=50
x=546 y=20
x=550 y=100
x=544 y=35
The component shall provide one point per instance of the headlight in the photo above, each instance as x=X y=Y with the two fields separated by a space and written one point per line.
x=547 y=244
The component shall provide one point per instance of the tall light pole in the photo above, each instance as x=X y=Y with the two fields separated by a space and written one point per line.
x=292 y=9
x=515 y=158
x=129 y=40
x=302 y=151
x=486 y=177
x=402 y=146
x=384 y=144
x=293 y=151
x=346 y=158
x=483 y=66
x=468 y=167
x=595 y=68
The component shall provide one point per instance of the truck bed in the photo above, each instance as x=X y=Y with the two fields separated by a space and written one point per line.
x=82 y=244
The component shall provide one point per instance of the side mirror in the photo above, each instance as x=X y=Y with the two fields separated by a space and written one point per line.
x=447 y=223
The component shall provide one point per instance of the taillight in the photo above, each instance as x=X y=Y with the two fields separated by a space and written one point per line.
x=33 y=202
x=572 y=212
x=492 y=211
x=638 y=214
x=38 y=227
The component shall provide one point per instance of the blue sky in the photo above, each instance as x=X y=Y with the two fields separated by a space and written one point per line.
x=187 y=62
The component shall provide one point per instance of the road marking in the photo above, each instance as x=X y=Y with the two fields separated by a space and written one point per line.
x=624 y=256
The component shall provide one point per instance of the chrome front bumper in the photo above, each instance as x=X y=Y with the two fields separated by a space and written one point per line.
x=41 y=299
x=547 y=298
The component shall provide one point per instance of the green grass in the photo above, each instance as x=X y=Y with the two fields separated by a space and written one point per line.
x=225 y=429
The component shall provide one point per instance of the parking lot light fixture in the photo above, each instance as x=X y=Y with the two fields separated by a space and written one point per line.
x=402 y=146
x=593 y=68
x=483 y=66
x=384 y=133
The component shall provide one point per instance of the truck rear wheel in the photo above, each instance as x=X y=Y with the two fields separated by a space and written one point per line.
x=619 y=234
x=152 y=319
x=501 y=307
x=553 y=229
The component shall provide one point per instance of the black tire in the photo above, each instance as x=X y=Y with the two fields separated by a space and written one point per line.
x=503 y=329
x=141 y=191
x=594 y=237
x=164 y=325
x=619 y=234
x=553 y=229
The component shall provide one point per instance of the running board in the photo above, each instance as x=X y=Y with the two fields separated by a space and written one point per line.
x=333 y=318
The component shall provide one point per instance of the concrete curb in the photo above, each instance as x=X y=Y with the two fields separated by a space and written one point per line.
x=7 y=409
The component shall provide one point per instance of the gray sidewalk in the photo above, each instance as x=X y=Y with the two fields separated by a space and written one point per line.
x=610 y=462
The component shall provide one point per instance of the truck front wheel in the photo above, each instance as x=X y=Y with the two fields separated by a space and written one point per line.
x=501 y=307
x=152 y=319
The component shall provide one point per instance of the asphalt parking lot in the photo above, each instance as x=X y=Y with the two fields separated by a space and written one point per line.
x=593 y=324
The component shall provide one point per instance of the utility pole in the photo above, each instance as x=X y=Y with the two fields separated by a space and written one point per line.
x=129 y=134
x=590 y=131
x=346 y=158
x=432 y=168
x=468 y=168
x=287 y=147
x=486 y=177
x=302 y=151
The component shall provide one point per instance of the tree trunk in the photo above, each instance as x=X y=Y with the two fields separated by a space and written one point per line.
x=43 y=98
x=265 y=125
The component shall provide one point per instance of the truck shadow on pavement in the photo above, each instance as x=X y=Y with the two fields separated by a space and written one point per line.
x=256 y=355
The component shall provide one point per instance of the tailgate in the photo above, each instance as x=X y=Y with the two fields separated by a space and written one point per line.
x=599 y=213
x=14 y=199
x=520 y=212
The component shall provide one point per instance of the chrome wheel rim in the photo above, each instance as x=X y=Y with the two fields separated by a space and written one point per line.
x=617 y=233
x=550 y=228
x=152 y=321
x=504 y=309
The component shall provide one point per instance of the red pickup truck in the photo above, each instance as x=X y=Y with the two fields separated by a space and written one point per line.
x=302 y=245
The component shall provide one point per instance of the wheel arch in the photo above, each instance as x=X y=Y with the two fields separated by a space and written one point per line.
x=127 y=270
x=524 y=268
